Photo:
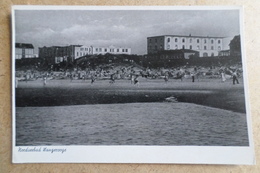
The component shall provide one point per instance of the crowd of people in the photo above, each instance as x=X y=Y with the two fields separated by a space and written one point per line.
x=133 y=74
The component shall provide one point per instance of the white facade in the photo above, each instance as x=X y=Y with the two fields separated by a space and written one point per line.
x=206 y=46
x=111 y=50
x=24 y=53
x=82 y=51
x=94 y=50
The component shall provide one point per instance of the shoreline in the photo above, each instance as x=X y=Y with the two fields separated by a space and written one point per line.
x=62 y=93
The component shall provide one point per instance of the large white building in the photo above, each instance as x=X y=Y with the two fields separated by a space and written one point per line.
x=94 y=50
x=82 y=51
x=205 y=45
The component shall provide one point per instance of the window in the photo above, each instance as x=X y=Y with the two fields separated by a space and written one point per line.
x=205 y=47
x=105 y=49
x=176 y=46
x=168 y=40
x=100 y=49
x=212 y=47
x=190 y=46
x=183 y=40
x=176 y=39
x=198 y=40
x=81 y=49
x=183 y=46
x=198 y=47
x=77 y=53
x=117 y=50
x=219 y=48
x=219 y=41
x=205 y=41
x=126 y=50
x=212 y=41
x=205 y=54
x=156 y=40
x=96 y=49
x=191 y=40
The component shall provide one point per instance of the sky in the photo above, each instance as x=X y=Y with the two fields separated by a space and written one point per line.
x=120 y=28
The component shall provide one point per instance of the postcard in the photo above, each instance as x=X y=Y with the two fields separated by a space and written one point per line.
x=130 y=84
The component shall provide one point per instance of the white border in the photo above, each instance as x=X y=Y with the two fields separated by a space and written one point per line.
x=136 y=154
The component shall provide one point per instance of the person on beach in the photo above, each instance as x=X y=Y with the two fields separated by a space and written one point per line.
x=26 y=77
x=132 y=78
x=93 y=79
x=71 y=77
x=179 y=75
x=136 y=80
x=83 y=78
x=193 y=77
x=112 y=79
x=166 y=78
x=223 y=76
x=235 y=80
x=44 y=80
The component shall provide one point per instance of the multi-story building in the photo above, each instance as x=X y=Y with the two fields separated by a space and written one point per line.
x=57 y=54
x=205 y=45
x=235 y=46
x=82 y=51
x=24 y=50
x=111 y=50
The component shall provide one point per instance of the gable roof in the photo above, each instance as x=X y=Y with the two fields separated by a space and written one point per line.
x=24 y=45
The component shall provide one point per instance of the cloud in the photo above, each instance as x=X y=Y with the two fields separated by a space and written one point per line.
x=120 y=28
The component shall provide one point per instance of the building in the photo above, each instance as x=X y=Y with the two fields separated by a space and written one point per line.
x=235 y=46
x=82 y=51
x=24 y=50
x=111 y=50
x=57 y=54
x=174 y=54
x=205 y=45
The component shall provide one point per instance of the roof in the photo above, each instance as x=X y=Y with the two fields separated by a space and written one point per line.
x=60 y=46
x=190 y=36
x=111 y=46
x=24 y=45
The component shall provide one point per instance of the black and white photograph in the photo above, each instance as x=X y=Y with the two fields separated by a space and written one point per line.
x=130 y=85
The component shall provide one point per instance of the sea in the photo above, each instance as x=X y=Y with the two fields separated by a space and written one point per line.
x=162 y=123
